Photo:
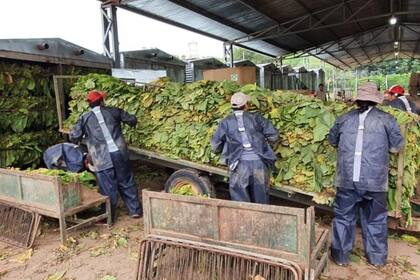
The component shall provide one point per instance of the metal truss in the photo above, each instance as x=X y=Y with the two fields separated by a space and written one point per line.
x=313 y=21
x=228 y=53
x=110 y=32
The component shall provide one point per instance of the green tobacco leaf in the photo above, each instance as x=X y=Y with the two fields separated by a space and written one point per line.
x=179 y=120
x=320 y=131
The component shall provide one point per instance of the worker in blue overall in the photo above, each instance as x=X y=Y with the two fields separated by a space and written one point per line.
x=363 y=138
x=101 y=128
x=399 y=101
x=243 y=141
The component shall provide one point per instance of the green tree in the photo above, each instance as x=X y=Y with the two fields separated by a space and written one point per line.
x=240 y=54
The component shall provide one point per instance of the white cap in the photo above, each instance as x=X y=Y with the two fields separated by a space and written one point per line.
x=239 y=99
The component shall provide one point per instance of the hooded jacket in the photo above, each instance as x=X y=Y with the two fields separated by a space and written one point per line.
x=381 y=136
x=87 y=126
x=228 y=140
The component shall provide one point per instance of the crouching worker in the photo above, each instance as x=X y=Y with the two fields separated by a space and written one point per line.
x=363 y=138
x=101 y=128
x=242 y=139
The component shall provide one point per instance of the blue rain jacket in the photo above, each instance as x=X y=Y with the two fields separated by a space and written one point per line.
x=65 y=156
x=228 y=141
x=399 y=104
x=381 y=136
x=87 y=126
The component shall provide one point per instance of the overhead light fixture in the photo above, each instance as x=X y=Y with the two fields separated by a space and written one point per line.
x=396 y=43
x=393 y=20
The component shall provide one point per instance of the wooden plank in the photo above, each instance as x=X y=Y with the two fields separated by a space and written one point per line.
x=400 y=173
x=87 y=222
x=321 y=242
x=59 y=100
x=85 y=205
x=34 y=207
x=184 y=163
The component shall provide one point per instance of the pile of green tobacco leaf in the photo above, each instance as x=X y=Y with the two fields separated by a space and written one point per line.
x=179 y=120
x=25 y=149
x=85 y=178
x=28 y=116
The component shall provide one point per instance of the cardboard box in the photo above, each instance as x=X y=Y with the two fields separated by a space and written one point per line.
x=243 y=75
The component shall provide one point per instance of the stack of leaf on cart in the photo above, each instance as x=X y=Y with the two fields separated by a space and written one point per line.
x=179 y=120
x=28 y=117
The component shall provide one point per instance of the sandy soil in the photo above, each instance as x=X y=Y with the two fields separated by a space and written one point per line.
x=99 y=253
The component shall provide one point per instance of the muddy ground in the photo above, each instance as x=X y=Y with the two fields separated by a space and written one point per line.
x=99 y=253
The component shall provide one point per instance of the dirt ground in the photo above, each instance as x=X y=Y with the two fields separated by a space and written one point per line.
x=99 y=253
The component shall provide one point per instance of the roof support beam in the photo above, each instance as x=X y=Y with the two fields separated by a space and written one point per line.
x=110 y=33
x=203 y=12
x=186 y=27
x=320 y=22
x=279 y=34
x=369 y=46
x=252 y=6
x=353 y=14
x=411 y=29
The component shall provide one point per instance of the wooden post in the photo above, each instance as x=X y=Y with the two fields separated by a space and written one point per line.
x=400 y=173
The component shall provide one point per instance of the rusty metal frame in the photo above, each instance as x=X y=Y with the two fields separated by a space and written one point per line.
x=310 y=254
x=213 y=249
x=65 y=216
x=31 y=230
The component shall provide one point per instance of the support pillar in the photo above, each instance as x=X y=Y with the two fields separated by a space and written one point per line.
x=110 y=33
x=228 y=53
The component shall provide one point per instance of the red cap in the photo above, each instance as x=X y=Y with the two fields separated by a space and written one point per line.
x=396 y=89
x=95 y=95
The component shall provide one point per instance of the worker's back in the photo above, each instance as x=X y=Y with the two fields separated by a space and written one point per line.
x=379 y=137
x=89 y=127
x=405 y=104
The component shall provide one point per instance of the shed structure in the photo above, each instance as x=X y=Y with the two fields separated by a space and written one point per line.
x=195 y=67
x=52 y=51
x=346 y=34
x=269 y=76
x=155 y=59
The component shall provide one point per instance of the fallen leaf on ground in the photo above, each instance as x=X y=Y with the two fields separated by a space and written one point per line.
x=122 y=242
x=98 y=251
x=25 y=256
x=355 y=258
x=4 y=255
x=410 y=239
x=57 y=276
x=109 y=277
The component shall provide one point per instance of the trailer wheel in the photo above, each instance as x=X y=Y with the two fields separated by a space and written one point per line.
x=200 y=184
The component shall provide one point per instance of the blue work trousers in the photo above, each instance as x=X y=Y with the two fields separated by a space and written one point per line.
x=372 y=210
x=119 y=179
x=249 y=182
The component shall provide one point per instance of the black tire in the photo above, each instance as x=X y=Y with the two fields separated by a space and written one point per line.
x=200 y=184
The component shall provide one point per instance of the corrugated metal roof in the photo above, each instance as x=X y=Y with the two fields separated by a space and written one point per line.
x=208 y=61
x=153 y=55
x=333 y=30
x=52 y=50
x=244 y=62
